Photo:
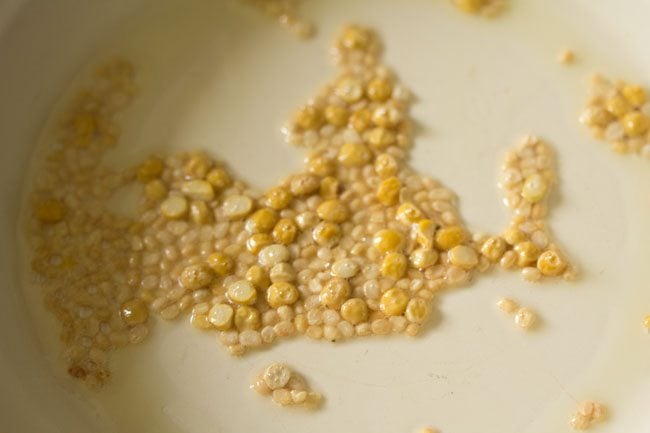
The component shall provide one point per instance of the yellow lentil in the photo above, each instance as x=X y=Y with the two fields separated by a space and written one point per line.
x=308 y=117
x=386 y=165
x=256 y=242
x=50 y=211
x=285 y=231
x=551 y=263
x=360 y=120
x=355 y=311
x=258 y=277
x=333 y=210
x=417 y=310
x=388 y=191
x=380 y=138
x=635 y=124
x=424 y=231
x=134 y=312
x=394 y=265
x=393 y=302
x=278 y=198
x=261 y=221
x=281 y=293
x=329 y=187
x=493 y=248
x=150 y=169
x=334 y=293
x=387 y=240
x=320 y=165
x=218 y=178
x=449 y=237
x=527 y=253
x=247 y=318
x=379 y=89
x=222 y=264
x=155 y=190
x=617 y=106
x=408 y=213
x=336 y=115
x=470 y=6
x=514 y=236
x=634 y=94
x=326 y=233
x=354 y=154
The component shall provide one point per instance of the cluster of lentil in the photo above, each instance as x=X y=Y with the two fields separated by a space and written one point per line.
x=355 y=244
x=286 y=387
x=619 y=113
x=527 y=177
x=587 y=413
x=349 y=246
x=285 y=13
x=80 y=249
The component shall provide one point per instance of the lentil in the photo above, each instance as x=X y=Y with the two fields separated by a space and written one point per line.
x=524 y=318
x=586 y=413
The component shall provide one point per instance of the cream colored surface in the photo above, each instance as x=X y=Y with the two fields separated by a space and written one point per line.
x=218 y=76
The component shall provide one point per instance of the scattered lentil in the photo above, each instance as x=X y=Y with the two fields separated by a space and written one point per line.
x=525 y=318
x=285 y=14
x=566 y=56
x=586 y=413
x=285 y=386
